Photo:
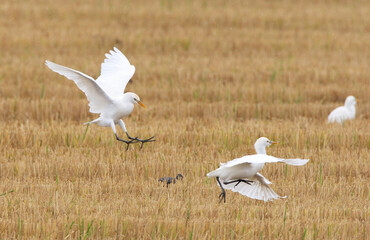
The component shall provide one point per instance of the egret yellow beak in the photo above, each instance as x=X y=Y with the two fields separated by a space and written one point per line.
x=141 y=104
x=273 y=142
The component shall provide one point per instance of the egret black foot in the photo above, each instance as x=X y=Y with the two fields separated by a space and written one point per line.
x=136 y=139
x=127 y=142
x=222 y=196
x=223 y=193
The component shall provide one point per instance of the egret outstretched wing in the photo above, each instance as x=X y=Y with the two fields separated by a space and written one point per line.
x=98 y=99
x=262 y=158
x=259 y=189
x=116 y=72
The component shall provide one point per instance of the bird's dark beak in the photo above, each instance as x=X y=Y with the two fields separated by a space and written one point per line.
x=139 y=102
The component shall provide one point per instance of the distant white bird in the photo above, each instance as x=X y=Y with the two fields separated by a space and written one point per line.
x=241 y=174
x=106 y=95
x=343 y=113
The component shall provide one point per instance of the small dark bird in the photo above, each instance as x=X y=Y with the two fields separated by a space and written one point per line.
x=169 y=180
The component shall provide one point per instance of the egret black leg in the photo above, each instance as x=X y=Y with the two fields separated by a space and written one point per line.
x=239 y=181
x=223 y=193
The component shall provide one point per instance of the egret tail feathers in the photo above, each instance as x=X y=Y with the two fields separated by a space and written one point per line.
x=214 y=173
x=296 y=161
x=93 y=121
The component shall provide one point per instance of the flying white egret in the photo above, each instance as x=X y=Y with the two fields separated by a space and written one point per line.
x=106 y=95
x=245 y=170
x=343 y=113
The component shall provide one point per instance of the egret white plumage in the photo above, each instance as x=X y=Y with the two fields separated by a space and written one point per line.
x=106 y=94
x=242 y=174
x=343 y=113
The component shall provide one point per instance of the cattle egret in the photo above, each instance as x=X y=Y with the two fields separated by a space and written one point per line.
x=343 y=113
x=106 y=94
x=241 y=174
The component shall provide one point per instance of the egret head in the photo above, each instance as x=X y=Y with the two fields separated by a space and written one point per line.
x=261 y=145
x=350 y=101
x=134 y=98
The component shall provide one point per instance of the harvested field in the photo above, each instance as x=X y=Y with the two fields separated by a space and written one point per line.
x=215 y=76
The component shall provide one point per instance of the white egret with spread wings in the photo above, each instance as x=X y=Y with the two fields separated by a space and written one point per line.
x=241 y=174
x=106 y=94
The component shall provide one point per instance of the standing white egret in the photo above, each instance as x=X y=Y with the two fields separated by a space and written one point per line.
x=343 y=113
x=106 y=95
x=230 y=175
